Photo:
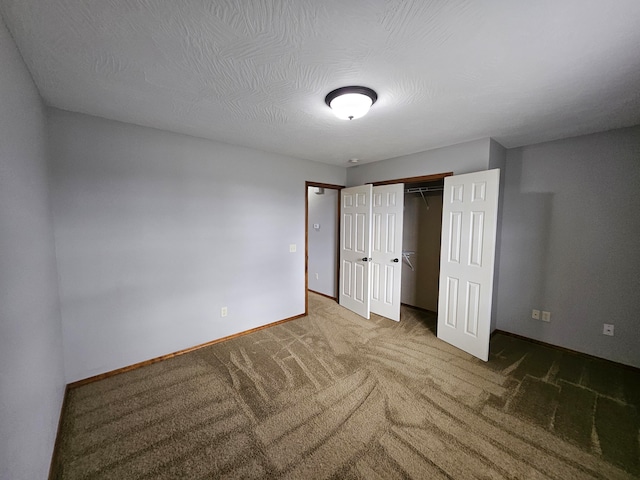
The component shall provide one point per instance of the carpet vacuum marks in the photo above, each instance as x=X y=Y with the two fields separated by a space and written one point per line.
x=333 y=395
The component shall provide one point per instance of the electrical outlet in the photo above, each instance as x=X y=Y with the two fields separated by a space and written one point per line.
x=292 y=248
x=607 y=329
x=223 y=312
x=535 y=314
x=546 y=316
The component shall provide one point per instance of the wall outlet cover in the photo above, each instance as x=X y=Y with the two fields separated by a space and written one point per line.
x=546 y=316
x=607 y=329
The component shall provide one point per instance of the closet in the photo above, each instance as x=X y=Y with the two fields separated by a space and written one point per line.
x=448 y=233
x=421 y=244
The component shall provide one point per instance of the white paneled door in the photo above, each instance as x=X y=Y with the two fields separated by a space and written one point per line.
x=386 y=250
x=355 y=249
x=469 y=220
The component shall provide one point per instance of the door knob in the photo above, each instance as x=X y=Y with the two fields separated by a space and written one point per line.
x=366 y=259
x=395 y=260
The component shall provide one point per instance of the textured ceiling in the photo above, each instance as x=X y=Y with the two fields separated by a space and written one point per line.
x=255 y=73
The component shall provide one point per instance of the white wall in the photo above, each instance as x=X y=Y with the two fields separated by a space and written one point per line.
x=323 y=248
x=31 y=368
x=461 y=158
x=570 y=243
x=156 y=231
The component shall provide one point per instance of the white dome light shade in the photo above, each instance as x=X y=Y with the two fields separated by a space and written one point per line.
x=349 y=103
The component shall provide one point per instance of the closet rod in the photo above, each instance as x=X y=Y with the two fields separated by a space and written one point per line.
x=423 y=189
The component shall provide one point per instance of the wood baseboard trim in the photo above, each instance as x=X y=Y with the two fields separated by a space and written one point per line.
x=151 y=361
x=55 y=455
x=324 y=295
x=567 y=350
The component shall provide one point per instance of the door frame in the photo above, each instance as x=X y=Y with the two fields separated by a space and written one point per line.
x=329 y=186
x=408 y=180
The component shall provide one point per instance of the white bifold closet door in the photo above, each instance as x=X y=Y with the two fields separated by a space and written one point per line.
x=467 y=254
x=371 y=249
x=355 y=249
x=386 y=250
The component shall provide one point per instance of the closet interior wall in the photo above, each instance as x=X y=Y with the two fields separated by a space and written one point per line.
x=421 y=247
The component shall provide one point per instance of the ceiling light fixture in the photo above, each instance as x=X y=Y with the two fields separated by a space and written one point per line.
x=348 y=103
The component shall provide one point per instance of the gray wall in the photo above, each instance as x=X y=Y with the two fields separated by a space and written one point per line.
x=461 y=158
x=156 y=231
x=31 y=368
x=497 y=159
x=570 y=243
x=323 y=245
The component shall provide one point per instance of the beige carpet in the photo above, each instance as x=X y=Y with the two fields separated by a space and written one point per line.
x=332 y=395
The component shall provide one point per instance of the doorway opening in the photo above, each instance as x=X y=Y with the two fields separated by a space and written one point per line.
x=322 y=223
